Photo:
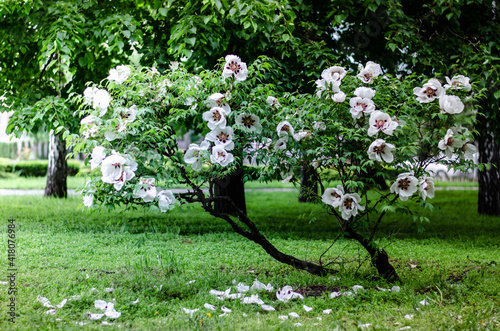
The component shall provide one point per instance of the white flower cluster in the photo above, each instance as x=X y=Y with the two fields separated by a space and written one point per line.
x=221 y=135
x=116 y=168
x=348 y=203
x=449 y=104
x=406 y=185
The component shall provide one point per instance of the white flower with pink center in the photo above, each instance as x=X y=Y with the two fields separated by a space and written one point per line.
x=451 y=104
x=360 y=106
x=234 y=67
x=380 y=150
x=429 y=92
x=333 y=196
x=405 y=186
x=222 y=137
x=249 y=122
x=218 y=100
x=221 y=156
x=334 y=74
x=216 y=117
x=381 y=122
x=350 y=205
x=426 y=187
x=145 y=189
x=193 y=155
x=458 y=82
x=368 y=73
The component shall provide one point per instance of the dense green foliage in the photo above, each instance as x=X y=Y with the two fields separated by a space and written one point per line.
x=34 y=168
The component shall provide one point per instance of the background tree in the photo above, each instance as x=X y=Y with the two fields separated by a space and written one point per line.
x=50 y=49
x=435 y=37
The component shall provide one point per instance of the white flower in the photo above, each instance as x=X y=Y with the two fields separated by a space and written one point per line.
x=127 y=115
x=88 y=200
x=235 y=67
x=450 y=104
x=101 y=101
x=380 y=150
x=307 y=308
x=448 y=144
x=257 y=286
x=117 y=170
x=286 y=293
x=108 y=308
x=324 y=85
x=280 y=145
x=334 y=295
x=405 y=185
x=357 y=288
x=364 y=92
x=90 y=125
x=267 y=307
x=458 y=82
x=333 y=196
x=166 y=200
x=350 y=204
x=209 y=306
x=284 y=127
x=242 y=287
x=218 y=100
x=193 y=155
x=249 y=121
x=339 y=97
x=145 y=189
x=333 y=74
x=221 y=156
x=320 y=126
x=190 y=311
x=119 y=74
x=369 y=73
x=222 y=137
x=88 y=95
x=469 y=150
x=430 y=91
x=253 y=299
x=273 y=102
x=216 y=117
x=380 y=121
x=98 y=155
x=426 y=187
x=361 y=106
x=95 y=316
x=287 y=177
x=301 y=135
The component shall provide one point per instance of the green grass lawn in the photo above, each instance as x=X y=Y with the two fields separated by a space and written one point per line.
x=63 y=251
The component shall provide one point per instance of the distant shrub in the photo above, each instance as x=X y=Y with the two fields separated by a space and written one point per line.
x=34 y=168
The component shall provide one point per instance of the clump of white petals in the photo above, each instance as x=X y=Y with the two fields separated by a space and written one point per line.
x=450 y=104
x=364 y=92
x=98 y=155
x=380 y=150
x=334 y=74
x=360 y=106
x=273 y=101
x=405 y=185
x=458 y=82
x=218 y=100
x=426 y=187
x=145 y=189
x=339 y=97
x=193 y=155
x=286 y=293
x=166 y=200
x=101 y=101
x=108 y=308
x=429 y=92
x=119 y=74
x=449 y=143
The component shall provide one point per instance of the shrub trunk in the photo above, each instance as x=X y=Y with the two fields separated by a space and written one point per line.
x=57 y=170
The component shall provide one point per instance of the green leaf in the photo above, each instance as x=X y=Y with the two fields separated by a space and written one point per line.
x=285 y=37
x=163 y=11
x=497 y=94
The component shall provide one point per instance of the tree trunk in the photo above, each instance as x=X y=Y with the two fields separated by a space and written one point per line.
x=233 y=187
x=57 y=170
x=308 y=184
x=489 y=180
x=379 y=257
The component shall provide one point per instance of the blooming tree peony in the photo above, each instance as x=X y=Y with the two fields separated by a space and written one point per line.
x=374 y=142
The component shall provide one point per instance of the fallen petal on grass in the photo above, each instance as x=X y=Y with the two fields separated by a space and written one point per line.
x=209 y=306
x=267 y=308
x=50 y=312
x=294 y=315
x=307 y=308
x=327 y=311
